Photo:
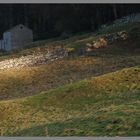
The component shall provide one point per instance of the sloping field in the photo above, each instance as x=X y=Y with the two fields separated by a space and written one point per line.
x=15 y=83
x=96 y=94
x=106 y=105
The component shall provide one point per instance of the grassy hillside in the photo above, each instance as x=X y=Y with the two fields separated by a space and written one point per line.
x=31 y=80
x=96 y=94
x=107 y=105
x=79 y=41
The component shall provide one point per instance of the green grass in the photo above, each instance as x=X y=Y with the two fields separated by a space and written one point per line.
x=16 y=83
x=97 y=95
x=106 y=105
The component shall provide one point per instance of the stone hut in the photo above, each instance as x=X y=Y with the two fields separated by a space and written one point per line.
x=16 y=37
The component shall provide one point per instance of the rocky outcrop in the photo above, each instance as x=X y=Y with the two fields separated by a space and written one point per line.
x=105 y=40
x=32 y=60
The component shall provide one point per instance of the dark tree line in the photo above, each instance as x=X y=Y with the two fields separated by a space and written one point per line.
x=51 y=20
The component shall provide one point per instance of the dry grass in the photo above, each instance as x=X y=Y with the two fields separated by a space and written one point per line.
x=105 y=105
x=28 y=81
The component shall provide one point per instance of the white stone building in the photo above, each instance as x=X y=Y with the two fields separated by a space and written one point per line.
x=16 y=37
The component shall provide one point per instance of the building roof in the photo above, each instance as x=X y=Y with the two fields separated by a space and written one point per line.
x=17 y=27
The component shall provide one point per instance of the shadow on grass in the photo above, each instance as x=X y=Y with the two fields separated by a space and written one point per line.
x=93 y=126
x=75 y=127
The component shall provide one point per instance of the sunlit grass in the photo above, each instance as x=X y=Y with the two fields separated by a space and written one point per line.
x=31 y=80
x=105 y=105
x=90 y=95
